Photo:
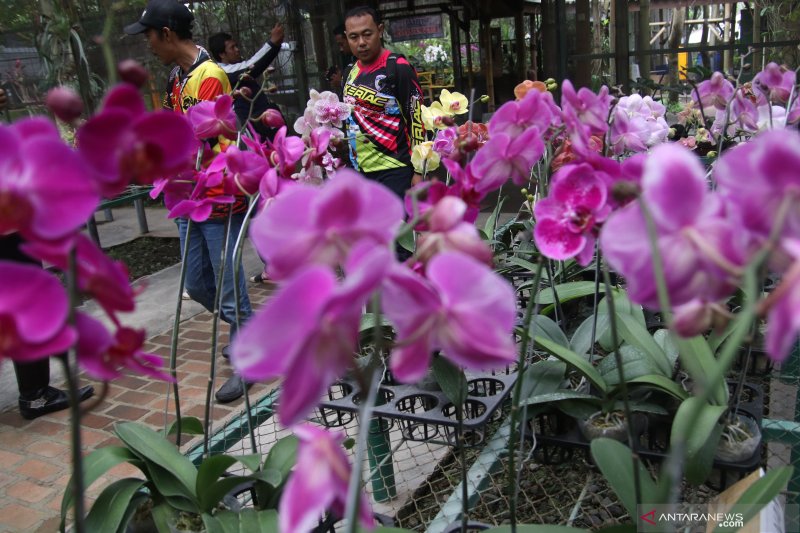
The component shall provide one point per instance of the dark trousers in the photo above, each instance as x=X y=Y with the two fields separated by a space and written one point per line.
x=34 y=376
x=398 y=180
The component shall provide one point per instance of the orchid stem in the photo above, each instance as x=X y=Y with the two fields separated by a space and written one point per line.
x=70 y=363
x=513 y=491
x=173 y=349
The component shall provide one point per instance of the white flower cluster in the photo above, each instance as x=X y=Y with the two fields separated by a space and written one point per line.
x=435 y=53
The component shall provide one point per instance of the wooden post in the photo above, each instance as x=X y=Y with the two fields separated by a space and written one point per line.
x=519 y=36
x=757 y=52
x=727 y=60
x=486 y=44
x=644 y=39
x=549 y=41
x=583 y=32
x=621 y=61
x=455 y=43
x=320 y=48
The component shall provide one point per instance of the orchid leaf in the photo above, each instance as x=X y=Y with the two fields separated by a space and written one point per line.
x=115 y=505
x=698 y=360
x=635 y=363
x=571 y=358
x=661 y=383
x=637 y=335
x=537 y=528
x=615 y=461
x=581 y=342
x=543 y=377
x=663 y=338
x=488 y=227
x=544 y=326
x=696 y=427
x=451 y=379
x=559 y=396
x=190 y=425
x=567 y=291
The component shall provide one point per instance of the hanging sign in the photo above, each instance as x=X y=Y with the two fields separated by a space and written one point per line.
x=412 y=28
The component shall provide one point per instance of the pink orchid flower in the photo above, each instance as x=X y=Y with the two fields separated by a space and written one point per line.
x=585 y=107
x=447 y=230
x=241 y=171
x=536 y=109
x=308 y=330
x=99 y=276
x=215 y=118
x=33 y=313
x=199 y=205
x=288 y=150
x=567 y=220
x=104 y=356
x=714 y=93
x=45 y=189
x=327 y=108
x=775 y=83
x=124 y=144
x=319 y=225
x=504 y=157
x=463 y=309
x=319 y=482
x=428 y=194
x=783 y=305
x=770 y=163
x=702 y=251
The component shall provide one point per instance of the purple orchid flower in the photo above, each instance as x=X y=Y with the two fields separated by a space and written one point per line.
x=628 y=133
x=585 y=107
x=782 y=304
x=33 y=313
x=319 y=482
x=103 y=356
x=567 y=220
x=536 y=110
x=104 y=279
x=504 y=157
x=288 y=150
x=308 y=330
x=757 y=177
x=463 y=309
x=447 y=230
x=240 y=171
x=714 y=93
x=123 y=144
x=45 y=189
x=444 y=143
x=319 y=225
x=775 y=83
x=210 y=119
x=702 y=251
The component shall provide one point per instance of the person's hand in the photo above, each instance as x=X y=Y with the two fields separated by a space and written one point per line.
x=276 y=35
x=3 y=99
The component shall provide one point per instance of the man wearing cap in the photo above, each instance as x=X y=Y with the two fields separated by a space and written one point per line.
x=167 y=26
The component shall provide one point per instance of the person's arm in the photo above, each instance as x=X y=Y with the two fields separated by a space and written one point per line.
x=263 y=58
x=409 y=94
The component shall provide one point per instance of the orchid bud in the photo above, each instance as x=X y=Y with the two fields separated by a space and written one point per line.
x=272 y=118
x=524 y=191
x=484 y=99
x=711 y=153
x=131 y=71
x=530 y=197
x=245 y=92
x=246 y=77
x=270 y=70
x=272 y=88
x=448 y=121
x=672 y=133
x=65 y=103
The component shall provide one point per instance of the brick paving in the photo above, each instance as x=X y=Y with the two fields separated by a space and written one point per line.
x=35 y=455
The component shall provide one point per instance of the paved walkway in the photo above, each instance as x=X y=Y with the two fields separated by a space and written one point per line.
x=35 y=455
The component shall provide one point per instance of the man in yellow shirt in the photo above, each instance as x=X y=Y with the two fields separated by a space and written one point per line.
x=167 y=26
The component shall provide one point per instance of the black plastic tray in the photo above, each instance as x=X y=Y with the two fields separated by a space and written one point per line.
x=422 y=414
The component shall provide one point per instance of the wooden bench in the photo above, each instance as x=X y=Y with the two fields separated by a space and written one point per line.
x=133 y=193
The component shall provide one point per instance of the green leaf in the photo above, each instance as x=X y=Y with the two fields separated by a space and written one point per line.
x=544 y=326
x=559 y=396
x=634 y=364
x=542 y=378
x=113 y=505
x=758 y=495
x=571 y=358
x=698 y=360
x=527 y=265
x=212 y=494
x=663 y=338
x=190 y=425
x=169 y=486
x=368 y=322
x=282 y=455
x=615 y=462
x=163 y=516
x=95 y=465
x=406 y=240
x=700 y=434
x=451 y=379
x=581 y=341
x=661 y=383
x=567 y=291
x=209 y=472
x=245 y=521
x=154 y=448
x=637 y=335
x=488 y=227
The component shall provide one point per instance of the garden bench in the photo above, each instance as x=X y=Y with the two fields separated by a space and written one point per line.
x=133 y=193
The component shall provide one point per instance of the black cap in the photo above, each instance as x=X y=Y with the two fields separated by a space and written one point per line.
x=162 y=14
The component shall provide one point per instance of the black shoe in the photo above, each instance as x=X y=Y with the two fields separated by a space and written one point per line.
x=226 y=351
x=231 y=390
x=50 y=400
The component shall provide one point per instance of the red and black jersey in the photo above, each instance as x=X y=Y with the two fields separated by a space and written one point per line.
x=386 y=117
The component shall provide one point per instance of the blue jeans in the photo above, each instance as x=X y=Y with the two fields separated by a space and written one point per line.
x=202 y=268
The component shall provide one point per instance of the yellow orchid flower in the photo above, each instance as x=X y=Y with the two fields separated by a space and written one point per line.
x=424 y=158
x=453 y=103
x=432 y=117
